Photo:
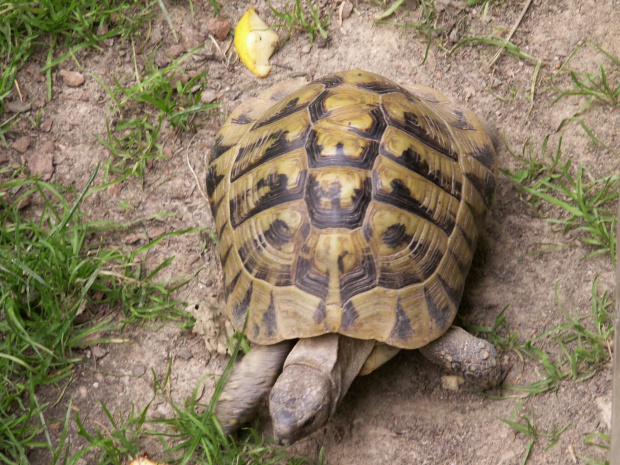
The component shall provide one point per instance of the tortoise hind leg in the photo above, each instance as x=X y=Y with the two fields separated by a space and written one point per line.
x=381 y=354
x=474 y=358
x=249 y=382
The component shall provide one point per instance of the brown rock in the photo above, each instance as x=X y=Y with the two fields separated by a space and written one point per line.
x=35 y=72
x=46 y=125
x=208 y=96
x=219 y=28
x=24 y=203
x=17 y=106
x=3 y=157
x=176 y=50
x=114 y=189
x=41 y=162
x=99 y=352
x=162 y=60
x=138 y=370
x=347 y=9
x=184 y=354
x=72 y=78
x=21 y=144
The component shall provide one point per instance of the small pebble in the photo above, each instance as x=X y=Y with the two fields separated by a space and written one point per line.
x=35 y=71
x=46 y=125
x=95 y=384
x=21 y=144
x=24 y=203
x=451 y=382
x=347 y=9
x=72 y=78
x=208 y=96
x=138 y=370
x=17 y=106
x=219 y=28
x=322 y=43
x=99 y=352
x=454 y=35
x=306 y=49
x=176 y=50
x=604 y=405
x=184 y=354
x=41 y=162
x=161 y=60
x=114 y=189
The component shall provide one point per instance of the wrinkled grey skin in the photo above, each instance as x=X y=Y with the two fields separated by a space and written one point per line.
x=248 y=384
x=461 y=353
x=317 y=373
x=316 y=376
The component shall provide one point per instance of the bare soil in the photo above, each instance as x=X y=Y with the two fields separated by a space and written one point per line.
x=401 y=413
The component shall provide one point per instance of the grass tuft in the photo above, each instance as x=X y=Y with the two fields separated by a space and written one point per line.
x=305 y=16
x=583 y=344
x=159 y=96
x=53 y=269
x=595 y=86
x=426 y=26
x=509 y=47
x=528 y=428
x=587 y=203
x=191 y=436
x=72 y=24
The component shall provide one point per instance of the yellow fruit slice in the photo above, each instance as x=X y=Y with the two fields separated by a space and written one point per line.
x=255 y=42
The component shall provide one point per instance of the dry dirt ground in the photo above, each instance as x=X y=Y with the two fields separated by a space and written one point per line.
x=401 y=413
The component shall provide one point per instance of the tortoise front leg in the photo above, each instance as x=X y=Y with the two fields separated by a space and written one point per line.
x=460 y=352
x=249 y=382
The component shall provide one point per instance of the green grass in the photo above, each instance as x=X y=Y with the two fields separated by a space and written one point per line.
x=512 y=49
x=136 y=112
x=426 y=25
x=6 y=126
x=587 y=203
x=70 y=25
x=55 y=268
x=527 y=427
x=573 y=351
x=304 y=16
x=597 y=87
x=593 y=85
x=191 y=436
x=52 y=269
x=600 y=441
x=582 y=344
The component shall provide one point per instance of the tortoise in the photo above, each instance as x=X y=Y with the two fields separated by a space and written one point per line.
x=348 y=211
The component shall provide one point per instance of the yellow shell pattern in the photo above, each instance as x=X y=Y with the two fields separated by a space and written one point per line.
x=349 y=205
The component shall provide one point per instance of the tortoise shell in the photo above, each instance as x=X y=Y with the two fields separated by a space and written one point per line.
x=350 y=205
